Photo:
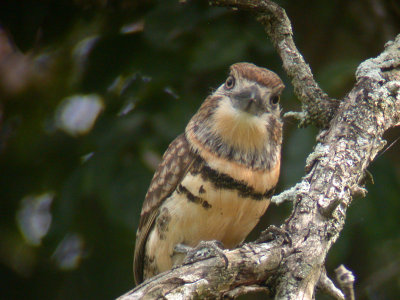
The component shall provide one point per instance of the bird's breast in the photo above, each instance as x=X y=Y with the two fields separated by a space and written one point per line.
x=222 y=211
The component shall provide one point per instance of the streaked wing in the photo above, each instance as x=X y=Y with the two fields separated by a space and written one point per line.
x=175 y=163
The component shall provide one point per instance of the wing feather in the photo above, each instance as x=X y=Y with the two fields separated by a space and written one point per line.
x=174 y=165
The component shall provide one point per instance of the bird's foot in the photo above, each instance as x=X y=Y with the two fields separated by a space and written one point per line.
x=204 y=250
x=273 y=233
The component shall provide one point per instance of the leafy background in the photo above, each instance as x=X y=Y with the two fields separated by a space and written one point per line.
x=71 y=190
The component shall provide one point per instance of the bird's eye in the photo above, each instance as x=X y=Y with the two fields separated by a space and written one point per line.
x=274 y=100
x=230 y=82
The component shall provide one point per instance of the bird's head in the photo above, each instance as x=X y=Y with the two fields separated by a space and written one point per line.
x=250 y=91
x=243 y=115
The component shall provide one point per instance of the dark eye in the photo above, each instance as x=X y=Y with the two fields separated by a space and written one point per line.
x=274 y=100
x=230 y=82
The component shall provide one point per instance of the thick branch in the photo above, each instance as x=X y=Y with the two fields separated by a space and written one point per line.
x=339 y=163
x=250 y=265
x=318 y=107
x=292 y=270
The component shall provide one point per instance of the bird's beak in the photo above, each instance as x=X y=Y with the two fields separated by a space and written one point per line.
x=248 y=100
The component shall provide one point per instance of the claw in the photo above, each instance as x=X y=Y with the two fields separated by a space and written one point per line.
x=182 y=248
x=204 y=250
x=272 y=232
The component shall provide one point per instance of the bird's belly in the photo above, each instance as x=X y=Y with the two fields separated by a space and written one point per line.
x=197 y=211
x=217 y=214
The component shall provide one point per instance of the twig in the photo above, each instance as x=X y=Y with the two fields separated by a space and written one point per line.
x=326 y=284
x=346 y=280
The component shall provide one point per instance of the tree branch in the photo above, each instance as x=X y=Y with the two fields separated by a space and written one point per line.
x=249 y=265
x=339 y=162
x=326 y=284
x=318 y=107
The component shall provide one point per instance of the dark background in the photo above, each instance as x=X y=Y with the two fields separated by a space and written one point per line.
x=70 y=199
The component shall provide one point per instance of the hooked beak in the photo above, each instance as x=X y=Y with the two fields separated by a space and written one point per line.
x=248 y=100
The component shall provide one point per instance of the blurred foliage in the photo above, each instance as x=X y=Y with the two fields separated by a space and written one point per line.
x=134 y=72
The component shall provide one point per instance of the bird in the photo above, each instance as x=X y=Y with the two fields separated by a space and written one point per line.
x=216 y=179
